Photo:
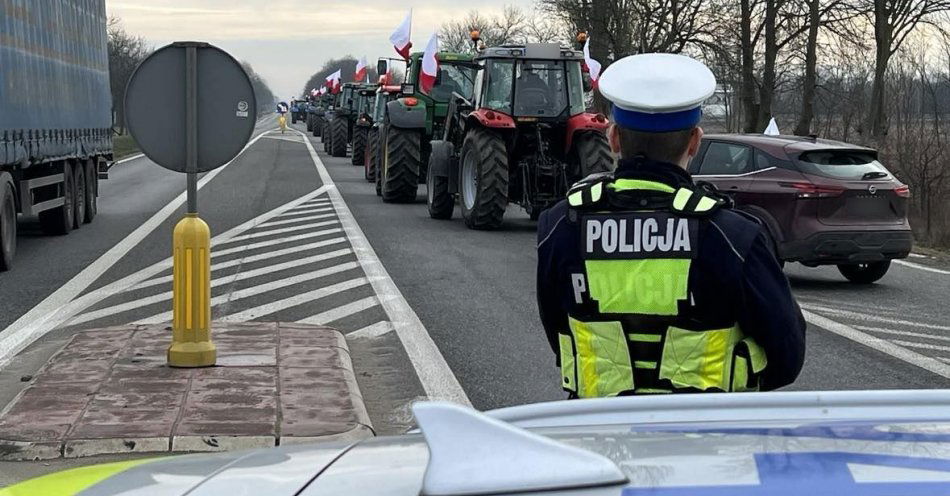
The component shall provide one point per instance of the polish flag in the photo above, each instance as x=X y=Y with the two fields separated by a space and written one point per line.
x=430 y=64
x=335 y=81
x=400 y=37
x=360 y=70
x=592 y=65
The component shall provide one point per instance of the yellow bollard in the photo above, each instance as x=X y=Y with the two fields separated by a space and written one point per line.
x=191 y=324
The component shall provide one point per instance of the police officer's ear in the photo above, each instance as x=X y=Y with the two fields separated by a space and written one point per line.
x=695 y=139
x=613 y=136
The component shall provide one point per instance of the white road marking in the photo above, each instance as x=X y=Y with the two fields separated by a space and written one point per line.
x=260 y=289
x=283 y=221
x=341 y=311
x=904 y=333
x=271 y=242
x=306 y=209
x=872 y=318
x=876 y=343
x=292 y=140
x=917 y=255
x=372 y=331
x=49 y=313
x=221 y=281
x=246 y=260
x=128 y=159
x=924 y=346
x=922 y=267
x=284 y=230
x=298 y=299
x=434 y=373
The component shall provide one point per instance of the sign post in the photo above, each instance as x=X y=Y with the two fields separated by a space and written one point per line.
x=187 y=107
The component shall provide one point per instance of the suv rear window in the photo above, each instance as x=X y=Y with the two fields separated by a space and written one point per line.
x=842 y=164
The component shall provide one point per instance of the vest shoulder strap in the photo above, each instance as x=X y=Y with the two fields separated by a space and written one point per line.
x=697 y=202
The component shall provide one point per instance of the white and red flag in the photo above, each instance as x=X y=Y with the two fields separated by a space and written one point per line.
x=430 y=64
x=592 y=65
x=360 y=70
x=334 y=79
x=400 y=37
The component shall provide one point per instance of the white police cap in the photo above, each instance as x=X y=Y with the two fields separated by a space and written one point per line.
x=657 y=92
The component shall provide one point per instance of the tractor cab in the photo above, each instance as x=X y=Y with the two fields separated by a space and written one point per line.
x=523 y=136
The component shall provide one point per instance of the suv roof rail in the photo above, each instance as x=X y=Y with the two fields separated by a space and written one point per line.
x=804 y=406
x=464 y=443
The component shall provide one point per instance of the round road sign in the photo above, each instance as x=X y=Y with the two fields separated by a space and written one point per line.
x=156 y=106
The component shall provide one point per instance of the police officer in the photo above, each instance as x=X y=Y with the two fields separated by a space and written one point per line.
x=650 y=284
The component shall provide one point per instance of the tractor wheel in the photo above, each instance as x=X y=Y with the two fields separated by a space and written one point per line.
x=359 y=146
x=402 y=160
x=441 y=203
x=7 y=226
x=325 y=135
x=338 y=139
x=309 y=123
x=592 y=154
x=369 y=156
x=317 y=126
x=483 y=179
x=60 y=220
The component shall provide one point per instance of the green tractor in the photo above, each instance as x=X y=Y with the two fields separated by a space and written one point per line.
x=340 y=121
x=316 y=111
x=363 y=110
x=414 y=118
x=524 y=136
x=373 y=155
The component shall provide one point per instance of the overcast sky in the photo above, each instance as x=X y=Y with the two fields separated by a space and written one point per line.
x=286 y=41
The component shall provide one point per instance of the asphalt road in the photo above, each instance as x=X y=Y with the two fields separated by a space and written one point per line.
x=303 y=237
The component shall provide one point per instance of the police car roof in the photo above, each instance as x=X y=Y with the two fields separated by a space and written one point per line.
x=534 y=51
x=787 y=144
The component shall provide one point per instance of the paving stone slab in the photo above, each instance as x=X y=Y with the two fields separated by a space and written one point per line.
x=109 y=391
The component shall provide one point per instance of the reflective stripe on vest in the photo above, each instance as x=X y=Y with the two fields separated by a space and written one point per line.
x=709 y=360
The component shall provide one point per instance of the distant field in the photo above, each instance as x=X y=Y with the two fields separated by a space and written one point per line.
x=123 y=146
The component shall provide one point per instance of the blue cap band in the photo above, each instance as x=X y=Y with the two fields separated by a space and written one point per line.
x=657 y=123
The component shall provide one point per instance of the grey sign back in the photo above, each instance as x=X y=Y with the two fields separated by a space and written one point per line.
x=157 y=114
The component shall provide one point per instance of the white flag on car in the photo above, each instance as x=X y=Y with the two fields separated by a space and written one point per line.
x=772 y=129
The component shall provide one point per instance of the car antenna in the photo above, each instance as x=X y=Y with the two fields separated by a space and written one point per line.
x=471 y=453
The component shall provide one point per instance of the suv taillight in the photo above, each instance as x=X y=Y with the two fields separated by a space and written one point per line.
x=902 y=191
x=809 y=190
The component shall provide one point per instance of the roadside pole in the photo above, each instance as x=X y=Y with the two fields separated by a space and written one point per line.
x=189 y=105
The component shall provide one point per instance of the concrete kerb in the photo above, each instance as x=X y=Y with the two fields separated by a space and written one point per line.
x=62 y=445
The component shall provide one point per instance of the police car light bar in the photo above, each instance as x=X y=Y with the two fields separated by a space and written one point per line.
x=471 y=453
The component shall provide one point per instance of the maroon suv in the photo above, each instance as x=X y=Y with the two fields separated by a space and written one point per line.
x=824 y=202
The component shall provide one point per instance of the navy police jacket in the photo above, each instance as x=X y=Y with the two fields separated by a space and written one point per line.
x=735 y=277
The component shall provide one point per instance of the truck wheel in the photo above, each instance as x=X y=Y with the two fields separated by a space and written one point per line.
x=325 y=136
x=338 y=141
x=79 y=199
x=441 y=203
x=402 y=160
x=359 y=146
x=92 y=191
x=865 y=273
x=7 y=227
x=369 y=156
x=60 y=220
x=483 y=179
x=592 y=153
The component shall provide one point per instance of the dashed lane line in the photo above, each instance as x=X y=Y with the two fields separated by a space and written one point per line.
x=890 y=348
x=49 y=313
x=260 y=289
x=372 y=331
x=341 y=311
x=922 y=267
x=433 y=371
x=298 y=299
x=221 y=281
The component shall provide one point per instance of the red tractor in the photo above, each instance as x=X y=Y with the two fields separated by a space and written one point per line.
x=524 y=138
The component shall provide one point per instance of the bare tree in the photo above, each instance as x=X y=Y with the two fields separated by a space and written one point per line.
x=126 y=51
x=512 y=25
x=894 y=21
